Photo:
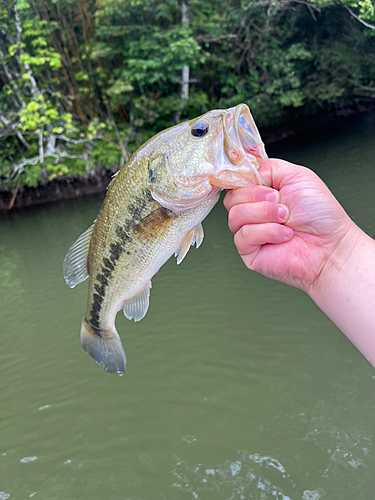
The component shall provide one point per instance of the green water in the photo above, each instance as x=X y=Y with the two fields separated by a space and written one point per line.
x=236 y=388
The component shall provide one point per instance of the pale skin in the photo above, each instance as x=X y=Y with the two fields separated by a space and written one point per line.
x=297 y=233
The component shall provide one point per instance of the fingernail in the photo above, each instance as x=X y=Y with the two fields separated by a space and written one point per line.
x=288 y=232
x=282 y=213
x=273 y=196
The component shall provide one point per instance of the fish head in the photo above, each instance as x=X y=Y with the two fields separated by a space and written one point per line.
x=192 y=161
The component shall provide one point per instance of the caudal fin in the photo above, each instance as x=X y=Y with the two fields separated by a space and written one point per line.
x=106 y=350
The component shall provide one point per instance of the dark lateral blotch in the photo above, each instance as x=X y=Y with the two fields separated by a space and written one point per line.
x=108 y=264
x=122 y=234
x=102 y=279
x=116 y=251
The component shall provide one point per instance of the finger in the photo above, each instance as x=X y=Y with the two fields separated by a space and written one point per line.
x=250 y=194
x=280 y=172
x=250 y=237
x=256 y=213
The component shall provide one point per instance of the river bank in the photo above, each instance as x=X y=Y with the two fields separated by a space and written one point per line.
x=59 y=189
x=96 y=181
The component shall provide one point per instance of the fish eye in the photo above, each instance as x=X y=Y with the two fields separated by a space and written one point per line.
x=199 y=129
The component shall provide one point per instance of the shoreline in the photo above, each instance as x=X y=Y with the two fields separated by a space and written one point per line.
x=97 y=181
x=56 y=190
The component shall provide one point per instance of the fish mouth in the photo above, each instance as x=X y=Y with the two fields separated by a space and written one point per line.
x=243 y=151
x=241 y=126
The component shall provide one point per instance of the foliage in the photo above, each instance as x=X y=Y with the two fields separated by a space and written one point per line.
x=84 y=82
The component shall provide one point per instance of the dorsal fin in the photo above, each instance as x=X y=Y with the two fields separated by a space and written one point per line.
x=75 y=262
x=111 y=182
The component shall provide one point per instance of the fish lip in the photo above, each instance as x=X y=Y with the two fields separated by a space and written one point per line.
x=243 y=151
x=236 y=180
x=233 y=117
x=244 y=132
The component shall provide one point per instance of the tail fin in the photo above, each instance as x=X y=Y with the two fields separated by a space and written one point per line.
x=106 y=351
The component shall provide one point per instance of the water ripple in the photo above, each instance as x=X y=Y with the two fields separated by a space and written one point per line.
x=250 y=476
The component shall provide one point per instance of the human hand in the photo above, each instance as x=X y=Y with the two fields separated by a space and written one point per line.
x=301 y=245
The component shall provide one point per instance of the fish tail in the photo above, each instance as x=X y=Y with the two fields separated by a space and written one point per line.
x=105 y=348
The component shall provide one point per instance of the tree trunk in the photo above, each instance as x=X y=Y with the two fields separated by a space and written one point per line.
x=185 y=70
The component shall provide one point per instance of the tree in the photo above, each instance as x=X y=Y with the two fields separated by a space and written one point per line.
x=36 y=131
x=83 y=83
x=143 y=48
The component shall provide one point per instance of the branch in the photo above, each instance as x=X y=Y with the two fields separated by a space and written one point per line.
x=75 y=141
x=18 y=169
x=362 y=87
x=13 y=199
x=57 y=154
x=367 y=89
x=11 y=81
x=371 y=26
x=18 y=133
x=311 y=7
x=18 y=22
x=260 y=30
x=216 y=38
x=34 y=87
x=40 y=143
x=308 y=4
x=117 y=133
x=63 y=154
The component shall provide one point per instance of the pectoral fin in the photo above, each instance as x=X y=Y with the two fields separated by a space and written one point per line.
x=195 y=235
x=137 y=306
x=75 y=261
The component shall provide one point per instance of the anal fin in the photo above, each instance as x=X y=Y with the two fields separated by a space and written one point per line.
x=137 y=306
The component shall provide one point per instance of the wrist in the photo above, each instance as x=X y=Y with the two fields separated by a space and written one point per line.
x=343 y=264
x=346 y=292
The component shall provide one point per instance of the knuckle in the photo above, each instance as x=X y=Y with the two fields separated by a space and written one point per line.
x=230 y=218
x=227 y=200
x=233 y=217
x=243 y=233
x=240 y=238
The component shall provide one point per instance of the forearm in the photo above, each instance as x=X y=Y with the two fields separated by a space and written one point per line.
x=346 y=293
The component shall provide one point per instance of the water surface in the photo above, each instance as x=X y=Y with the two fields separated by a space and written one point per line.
x=237 y=387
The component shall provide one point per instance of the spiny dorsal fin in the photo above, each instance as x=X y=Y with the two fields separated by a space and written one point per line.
x=195 y=235
x=75 y=262
x=112 y=180
x=137 y=306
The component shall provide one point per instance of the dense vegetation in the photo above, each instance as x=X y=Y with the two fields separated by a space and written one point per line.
x=84 y=82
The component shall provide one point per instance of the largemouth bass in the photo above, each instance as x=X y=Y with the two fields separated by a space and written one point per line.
x=153 y=209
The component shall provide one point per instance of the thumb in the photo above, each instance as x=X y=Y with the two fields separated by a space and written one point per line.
x=277 y=172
